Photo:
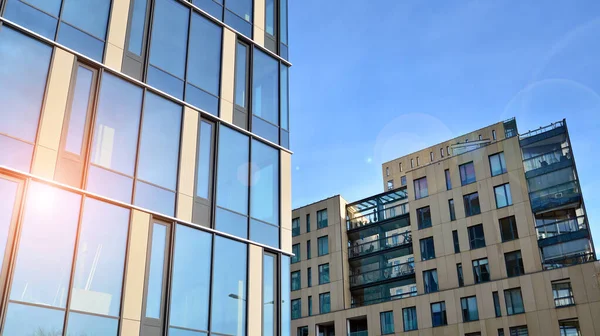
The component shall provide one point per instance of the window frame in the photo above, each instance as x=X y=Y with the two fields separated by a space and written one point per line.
x=497 y=306
x=570 y=299
x=469 y=210
x=322 y=268
x=479 y=266
x=464 y=177
x=513 y=229
x=386 y=329
x=320 y=219
x=465 y=303
x=413 y=324
x=507 y=195
x=421 y=222
x=430 y=273
x=519 y=266
x=201 y=202
x=501 y=161
x=460 y=275
x=309 y=277
x=448 y=179
x=511 y=293
x=424 y=244
x=322 y=297
x=443 y=314
x=276 y=295
x=293 y=289
x=455 y=241
x=452 y=210
x=143 y=58
x=319 y=240
x=476 y=242
x=296 y=227
x=243 y=120
x=421 y=192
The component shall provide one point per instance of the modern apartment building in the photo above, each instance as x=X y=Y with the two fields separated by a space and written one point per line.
x=144 y=167
x=484 y=234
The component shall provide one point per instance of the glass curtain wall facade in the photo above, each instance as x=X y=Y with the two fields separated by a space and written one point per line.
x=128 y=191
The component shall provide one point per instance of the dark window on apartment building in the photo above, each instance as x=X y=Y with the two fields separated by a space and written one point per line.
x=308 y=248
x=497 y=164
x=442 y=152
x=421 y=188
x=322 y=219
x=494 y=134
x=467 y=173
x=455 y=241
x=308 y=223
x=514 y=264
x=323 y=274
x=403 y=181
x=500 y=332
x=519 y=331
x=503 y=195
x=514 y=301
x=496 y=299
x=323 y=245
x=270 y=298
x=469 y=310
x=302 y=331
x=562 y=293
x=508 y=228
x=459 y=273
x=295 y=227
x=387 y=322
x=481 y=270
x=309 y=277
x=427 y=248
x=324 y=303
x=296 y=252
x=476 y=236
x=471 y=202
x=431 y=156
x=296 y=309
x=448 y=179
x=438 y=314
x=418 y=161
x=430 y=281
x=569 y=327
x=310 y=313
x=296 y=281
x=409 y=317
x=451 y=209
x=424 y=217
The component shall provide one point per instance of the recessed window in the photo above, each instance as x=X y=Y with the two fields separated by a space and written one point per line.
x=562 y=293
x=503 y=195
x=455 y=241
x=387 y=171
x=441 y=152
x=514 y=301
x=265 y=96
x=296 y=281
x=500 y=332
x=310 y=312
x=424 y=217
x=296 y=252
x=307 y=223
x=412 y=163
x=322 y=219
x=324 y=303
x=448 y=150
x=400 y=165
x=569 y=328
x=403 y=181
x=476 y=236
x=427 y=248
x=448 y=180
x=508 y=228
x=519 y=331
x=471 y=202
x=418 y=161
x=481 y=270
x=323 y=245
x=421 y=189
x=431 y=156
x=390 y=185
x=302 y=331
x=296 y=309
x=308 y=248
x=467 y=173
x=430 y=281
x=295 y=227
x=494 y=134
x=309 y=277
x=387 y=322
x=480 y=137
x=514 y=264
x=438 y=314
x=451 y=210
x=497 y=164
x=459 y=273
x=323 y=274
x=409 y=318
x=497 y=309
x=468 y=306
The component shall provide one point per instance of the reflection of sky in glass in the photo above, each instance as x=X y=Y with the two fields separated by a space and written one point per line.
x=204 y=155
x=100 y=262
x=45 y=252
x=82 y=324
x=231 y=223
x=269 y=304
x=229 y=287
x=49 y=6
x=8 y=194
x=26 y=320
x=191 y=279
x=264 y=189
x=232 y=180
x=204 y=58
x=156 y=272
x=285 y=296
x=79 y=108
x=242 y=8
x=169 y=37
x=90 y=16
x=265 y=87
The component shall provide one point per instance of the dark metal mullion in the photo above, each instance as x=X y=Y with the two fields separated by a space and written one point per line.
x=212 y=220
x=106 y=34
x=59 y=19
x=169 y=277
x=147 y=41
x=139 y=142
x=87 y=160
x=249 y=77
x=249 y=213
x=187 y=52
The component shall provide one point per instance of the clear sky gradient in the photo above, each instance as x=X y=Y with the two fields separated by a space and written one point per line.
x=377 y=79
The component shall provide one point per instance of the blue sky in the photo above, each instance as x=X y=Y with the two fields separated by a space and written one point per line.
x=369 y=75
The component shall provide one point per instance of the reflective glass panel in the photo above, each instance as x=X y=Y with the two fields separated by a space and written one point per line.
x=205 y=148
x=83 y=324
x=269 y=287
x=109 y=184
x=21 y=153
x=241 y=64
x=51 y=7
x=30 y=320
x=243 y=8
x=284 y=96
x=8 y=194
x=90 y=16
x=156 y=272
x=264 y=233
x=265 y=183
x=204 y=58
x=80 y=41
x=232 y=180
x=32 y=18
x=285 y=296
x=136 y=28
x=232 y=223
x=169 y=37
x=270 y=17
x=79 y=109
x=265 y=87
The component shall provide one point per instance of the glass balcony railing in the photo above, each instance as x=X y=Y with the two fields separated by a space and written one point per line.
x=359 y=333
x=555 y=196
x=542 y=130
x=377 y=216
x=562 y=227
x=569 y=260
x=383 y=299
x=562 y=155
x=390 y=272
x=382 y=244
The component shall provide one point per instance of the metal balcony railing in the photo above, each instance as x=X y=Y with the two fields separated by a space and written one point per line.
x=547 y=159
x=390 y=272
x=562 y=227
x=380 y=244
x=555 y=196
x=377 y=216
x=569 y=260
x=542 y=129
x=383 y=299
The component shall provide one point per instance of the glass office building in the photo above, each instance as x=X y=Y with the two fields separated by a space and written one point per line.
x=144 y=167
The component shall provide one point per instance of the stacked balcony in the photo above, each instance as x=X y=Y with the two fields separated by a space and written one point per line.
x=380 y=251
x=555 y=196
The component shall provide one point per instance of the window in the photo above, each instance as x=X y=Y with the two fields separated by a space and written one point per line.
x=418 y=161
x=400 y=166
x=519 y=331
x=403 y=181
x=497 y=309
x=569 y=328
x=296 y=309
x=308 y=248
x=412 y=163
x=500 y=332
x=302 y=331
x=324 y=303
x=191 y=280
x=286 y=284
x=387 y=322
x=424 y=217
x=442 y=152
x=204 y=172
x=431 y=156
x=310 y=306
x=472 y=204
x=563 y=294
x=309 y=277
x=476 y=236
x=514 y=301
x=494 y=134
x=269 y=297
x=387 y=171
x=481 y=270
x=438 y=314
x=427 y=248
x=503 y=196
x=451 y=210
x=480 y=137
x=448 y=180
x=229 y=287
x=295 y=227
x=508 y=229
x=265 y=96
x=421 y=188
x=448 y=150
x=497 y=164
x=469 y=309
x=296 y=252
x=322 y=219
x=430 y=281
x=323 y=245
x=390 y=184
x=514 y=264
x=242 y=57
x=307 y=223
x=467 y=173
x=284 y=104
x=409 y=317
x=323 y=274
x=455 y=241
x=296 y=280
x=459 y=272
x=85 y=31
x=473 y=334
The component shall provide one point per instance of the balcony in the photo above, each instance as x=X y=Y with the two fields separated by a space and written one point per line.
x=383 y=274
x=359 y=333
x=542 y=133
x=548 y=162
x=562 y=231
x=377 y=209
x=384 y=299
x=360 y=250
x=555 y=197
x=570 y=260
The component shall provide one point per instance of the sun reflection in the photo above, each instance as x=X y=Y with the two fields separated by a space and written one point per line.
x=41 y=196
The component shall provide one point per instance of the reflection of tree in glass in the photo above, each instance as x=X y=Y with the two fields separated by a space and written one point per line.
x=42 y=332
